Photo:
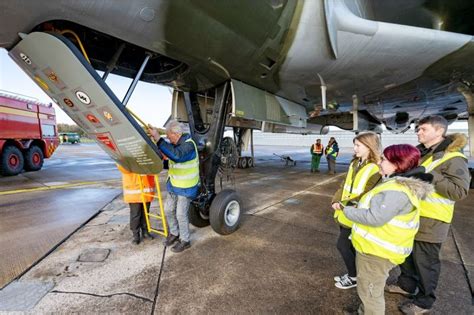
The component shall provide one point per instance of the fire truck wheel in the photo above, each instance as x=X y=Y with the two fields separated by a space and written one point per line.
x=34 y=159
x=12 y=161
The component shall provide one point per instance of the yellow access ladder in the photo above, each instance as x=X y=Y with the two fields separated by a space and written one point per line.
x=148 y=215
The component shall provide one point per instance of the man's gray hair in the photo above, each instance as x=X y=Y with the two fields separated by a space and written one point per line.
x=174 y=127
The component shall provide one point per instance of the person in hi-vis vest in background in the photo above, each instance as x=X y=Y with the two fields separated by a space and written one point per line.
x=362 y=176
x=182 y=183
x=317 y=150
x=442 y=158
x=386 y=220
x=332 y=151
x=133 y=196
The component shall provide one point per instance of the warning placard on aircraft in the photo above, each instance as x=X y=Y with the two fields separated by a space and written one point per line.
x=63 y=73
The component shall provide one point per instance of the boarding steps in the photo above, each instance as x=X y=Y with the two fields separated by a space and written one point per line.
x=64 y=74
x=148 y=215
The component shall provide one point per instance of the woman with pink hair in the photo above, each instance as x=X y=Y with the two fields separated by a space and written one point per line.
x=386 y=220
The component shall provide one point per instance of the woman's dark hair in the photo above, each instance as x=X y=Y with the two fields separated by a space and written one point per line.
x=404 y=156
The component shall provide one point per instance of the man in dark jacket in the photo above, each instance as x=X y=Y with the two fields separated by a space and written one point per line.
x=182 y=183
x=442 y=157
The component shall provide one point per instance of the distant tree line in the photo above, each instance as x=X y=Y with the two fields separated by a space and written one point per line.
x=82 y=133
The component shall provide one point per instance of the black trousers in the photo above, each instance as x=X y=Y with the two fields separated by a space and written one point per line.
x=348 y=253
x=421 y=269
x=137 y=216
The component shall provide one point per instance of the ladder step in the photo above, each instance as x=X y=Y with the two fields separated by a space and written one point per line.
x=154 y=216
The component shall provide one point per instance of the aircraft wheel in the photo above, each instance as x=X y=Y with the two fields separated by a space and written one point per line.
x=12 y=161
x=196 y=217
x=34 y=159
x=225 y=212
x=243 y=162
x=249 y=162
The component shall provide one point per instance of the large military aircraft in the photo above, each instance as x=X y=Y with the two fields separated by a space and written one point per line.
x=273 y=65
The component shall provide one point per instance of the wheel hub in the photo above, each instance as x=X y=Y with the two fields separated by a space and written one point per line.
x=13 y=160
x=232 y=213
x=36 y=158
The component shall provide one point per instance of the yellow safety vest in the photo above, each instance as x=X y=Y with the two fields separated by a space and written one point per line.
x=394 y=239
x=185 y=174
x=354 y=188
x=330 y=151
x=436 y=206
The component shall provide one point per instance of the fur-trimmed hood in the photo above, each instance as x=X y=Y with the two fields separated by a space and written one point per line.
x=421 y=189
x=457 y=142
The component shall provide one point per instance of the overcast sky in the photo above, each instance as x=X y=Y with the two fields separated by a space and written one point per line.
x=151 y=102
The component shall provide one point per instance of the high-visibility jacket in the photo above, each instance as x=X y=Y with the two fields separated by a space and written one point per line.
x=185 y=174
x=331 y=152
x=436 y=206
x=317 y=148
x=353 y=189
x=131 y=186
x=394 y=239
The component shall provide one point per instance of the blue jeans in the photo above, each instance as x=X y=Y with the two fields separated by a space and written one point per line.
x=176 y=210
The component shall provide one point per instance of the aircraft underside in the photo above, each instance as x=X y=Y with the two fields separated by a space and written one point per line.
x=378 y=63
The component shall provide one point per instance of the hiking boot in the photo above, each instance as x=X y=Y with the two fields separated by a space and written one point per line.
x=147 y=234
x=180 y=246
x=171 y=239
x=413 y=309
x=393 y=288
x=136 y=237
x=346 y=283
x=339 y=278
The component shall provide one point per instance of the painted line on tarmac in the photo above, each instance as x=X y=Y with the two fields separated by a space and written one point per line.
x=18 y=191
x=307 y=190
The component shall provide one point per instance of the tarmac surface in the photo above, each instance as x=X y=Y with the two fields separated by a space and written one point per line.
x=281 y=260
x=39 y=209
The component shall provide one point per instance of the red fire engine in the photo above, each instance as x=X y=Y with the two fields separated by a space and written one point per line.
x=28 y=133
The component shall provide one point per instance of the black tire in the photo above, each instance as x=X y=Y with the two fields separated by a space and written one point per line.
x=225 y=212
x=243 y=162
x=249 y=162
x=12 y=161
x=196 y=218
x=34 y=158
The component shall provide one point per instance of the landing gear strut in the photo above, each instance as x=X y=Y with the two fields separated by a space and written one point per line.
x=222 y=210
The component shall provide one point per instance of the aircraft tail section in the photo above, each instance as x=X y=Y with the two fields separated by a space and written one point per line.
x=63 y=73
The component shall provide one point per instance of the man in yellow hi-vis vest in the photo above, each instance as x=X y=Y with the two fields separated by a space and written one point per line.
x=442 y=158
x=182 y=183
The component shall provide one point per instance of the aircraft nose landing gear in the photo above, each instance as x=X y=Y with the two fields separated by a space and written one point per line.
x=224 y=209
x=225 y=212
